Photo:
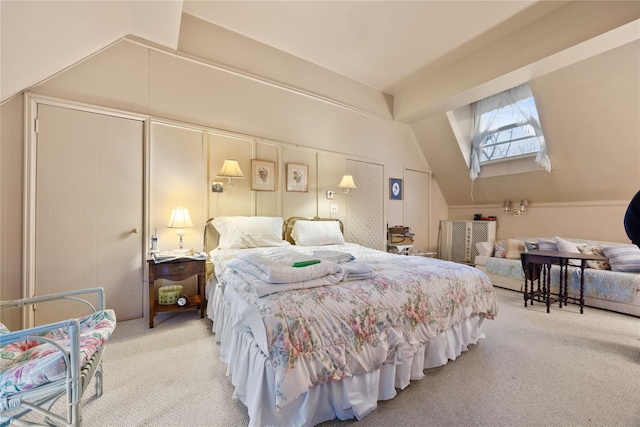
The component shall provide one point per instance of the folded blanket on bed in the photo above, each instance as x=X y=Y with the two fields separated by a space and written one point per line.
x=356 y=271
x=263 y=288
x=334 y=256
x=276 y=267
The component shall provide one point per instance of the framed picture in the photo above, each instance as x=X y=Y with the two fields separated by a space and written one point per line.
x=395 y=189
x=263 y=175
x=297 y=177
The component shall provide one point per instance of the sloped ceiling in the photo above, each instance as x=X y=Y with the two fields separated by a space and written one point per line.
x=387 y=45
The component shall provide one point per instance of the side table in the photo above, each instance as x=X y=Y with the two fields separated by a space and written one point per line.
x=175 y=270
x=537 y=266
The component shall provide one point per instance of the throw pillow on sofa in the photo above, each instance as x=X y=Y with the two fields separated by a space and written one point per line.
x=547 y=245
x=567 y=246
x=500 y=249
x=624 y=258
x=514 y=248
x=485 y=248
x=595 y=250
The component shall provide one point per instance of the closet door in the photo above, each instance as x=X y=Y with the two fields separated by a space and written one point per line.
x=89 y=209
x=365 y=205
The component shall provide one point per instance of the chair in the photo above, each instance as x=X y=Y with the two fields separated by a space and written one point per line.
x=40 y=365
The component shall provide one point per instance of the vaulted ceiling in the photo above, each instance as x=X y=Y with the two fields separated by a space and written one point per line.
x=387 y=45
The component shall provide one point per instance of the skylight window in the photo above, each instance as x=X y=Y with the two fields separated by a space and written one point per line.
x=506 y=126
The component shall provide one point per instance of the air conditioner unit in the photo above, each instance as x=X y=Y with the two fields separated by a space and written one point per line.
x=458 y=239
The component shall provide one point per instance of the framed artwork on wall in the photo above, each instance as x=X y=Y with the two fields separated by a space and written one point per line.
x=297 y=177
x=395 y=189
x=263 y=175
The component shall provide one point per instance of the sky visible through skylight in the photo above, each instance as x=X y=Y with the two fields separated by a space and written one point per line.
x=511 y=135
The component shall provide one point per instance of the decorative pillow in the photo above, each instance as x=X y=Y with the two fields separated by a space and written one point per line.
x=240 y=232
x=624 y=258
x=531 y=246
x=547 y=245
x=485 y=248
x=567 y=246
x=317 y=233
x=4 y=329
x=500 y=249
x=595 y=250
x=514 y=248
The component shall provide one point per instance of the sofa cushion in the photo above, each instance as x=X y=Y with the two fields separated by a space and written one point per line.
x=531 y=246
x=624 y=258
x=595 y=250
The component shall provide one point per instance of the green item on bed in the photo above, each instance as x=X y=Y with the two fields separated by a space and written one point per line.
x=306 y=263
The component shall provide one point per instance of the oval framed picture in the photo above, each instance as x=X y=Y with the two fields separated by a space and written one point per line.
x=395 y=189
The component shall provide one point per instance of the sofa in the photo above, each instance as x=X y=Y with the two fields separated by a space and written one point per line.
x=611 y=285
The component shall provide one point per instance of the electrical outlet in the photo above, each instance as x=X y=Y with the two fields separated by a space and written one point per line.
x=334 y=208
x=330 y=194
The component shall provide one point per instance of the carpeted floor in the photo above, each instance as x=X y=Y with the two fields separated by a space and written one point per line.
x=533 y=369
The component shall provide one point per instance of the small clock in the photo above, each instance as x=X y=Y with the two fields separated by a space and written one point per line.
x=182 y=301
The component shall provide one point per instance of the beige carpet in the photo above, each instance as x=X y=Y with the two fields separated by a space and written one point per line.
x=533 y=369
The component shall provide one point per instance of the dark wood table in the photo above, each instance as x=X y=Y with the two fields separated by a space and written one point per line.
x=537 y=267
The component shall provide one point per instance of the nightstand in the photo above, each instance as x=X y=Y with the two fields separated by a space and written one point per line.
x=179 y=269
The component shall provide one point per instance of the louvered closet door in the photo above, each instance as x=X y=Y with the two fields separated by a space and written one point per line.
x=365 y=205
x=89 y=209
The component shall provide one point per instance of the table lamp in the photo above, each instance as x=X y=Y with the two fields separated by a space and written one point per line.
x=180 y=220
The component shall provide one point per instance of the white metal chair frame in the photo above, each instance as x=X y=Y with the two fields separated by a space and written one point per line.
x=77 y=378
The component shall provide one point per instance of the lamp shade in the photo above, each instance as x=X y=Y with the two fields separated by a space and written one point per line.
x=180 y=218
x=347 y=182
x=231 y=169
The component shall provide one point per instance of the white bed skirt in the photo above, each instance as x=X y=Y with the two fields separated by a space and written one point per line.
x=353 y=397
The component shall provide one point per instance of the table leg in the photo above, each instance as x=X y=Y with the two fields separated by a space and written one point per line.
x=582 y=265
x=547 y=286
x=151 y=300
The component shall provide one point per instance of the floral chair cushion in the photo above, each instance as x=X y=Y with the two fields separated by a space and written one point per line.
x=28 y=364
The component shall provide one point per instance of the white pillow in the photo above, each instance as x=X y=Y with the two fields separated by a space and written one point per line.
x=317 y=233
x=240 y=232
x=567 y=246
x=484 y=248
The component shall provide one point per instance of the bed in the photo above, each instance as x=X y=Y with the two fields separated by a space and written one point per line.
x=348 y=328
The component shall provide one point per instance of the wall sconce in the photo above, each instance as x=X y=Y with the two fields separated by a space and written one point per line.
x=180 y=220
x=515 y=210
x=346 y=182
x=230 y=169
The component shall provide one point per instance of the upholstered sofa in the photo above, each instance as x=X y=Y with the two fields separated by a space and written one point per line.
x=611 y=285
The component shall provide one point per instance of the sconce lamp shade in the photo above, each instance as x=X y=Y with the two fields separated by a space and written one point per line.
x=230 y=169
x=347 y=182
x=515 y=210
x=180 y=218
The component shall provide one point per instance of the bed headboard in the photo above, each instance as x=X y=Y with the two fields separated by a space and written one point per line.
x=210 y=236
x=287 y=226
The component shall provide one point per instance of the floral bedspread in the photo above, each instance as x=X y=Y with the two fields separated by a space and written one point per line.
x=328 y=333
x=28 y=364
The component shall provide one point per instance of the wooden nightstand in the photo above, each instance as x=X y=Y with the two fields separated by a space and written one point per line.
x=175 y=270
